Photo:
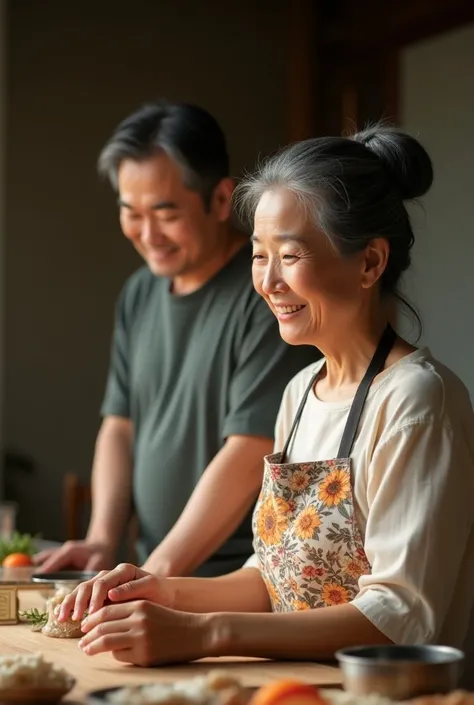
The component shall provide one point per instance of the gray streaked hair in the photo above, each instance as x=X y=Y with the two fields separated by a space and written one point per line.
x=353 y=189
x=187 y=133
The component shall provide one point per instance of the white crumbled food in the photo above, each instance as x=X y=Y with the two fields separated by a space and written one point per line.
x=340 y=697
x=31 y=670
x=217 y=688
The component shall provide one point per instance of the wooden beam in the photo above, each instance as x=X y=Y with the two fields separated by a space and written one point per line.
x=370 y=24
x=392 y=86
x=301 y=54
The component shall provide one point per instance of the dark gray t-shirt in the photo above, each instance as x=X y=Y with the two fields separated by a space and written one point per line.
x=189 y=371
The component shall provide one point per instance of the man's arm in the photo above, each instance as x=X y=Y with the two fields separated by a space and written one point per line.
x=113 y=466
x=111 y=482
x=219 y=503
x=111 y=494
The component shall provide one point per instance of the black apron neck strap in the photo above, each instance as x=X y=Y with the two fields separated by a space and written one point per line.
x=350 y=430
x=294 y=426
x=376 y=366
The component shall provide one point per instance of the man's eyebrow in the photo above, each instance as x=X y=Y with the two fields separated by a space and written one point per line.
x=160 y=206
x=283 y=237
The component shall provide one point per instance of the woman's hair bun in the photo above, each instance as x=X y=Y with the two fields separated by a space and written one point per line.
x=406 y=160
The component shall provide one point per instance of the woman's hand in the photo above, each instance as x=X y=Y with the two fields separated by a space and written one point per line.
x=124 y=583
x=146 y=634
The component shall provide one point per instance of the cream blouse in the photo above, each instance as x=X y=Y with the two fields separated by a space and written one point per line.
x=413 y=475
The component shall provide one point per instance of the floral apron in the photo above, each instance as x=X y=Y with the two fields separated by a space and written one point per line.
x=306 y=539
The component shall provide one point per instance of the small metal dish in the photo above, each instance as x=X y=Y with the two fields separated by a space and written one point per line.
x=68 y=579
x=400 y=672
x=105 y=695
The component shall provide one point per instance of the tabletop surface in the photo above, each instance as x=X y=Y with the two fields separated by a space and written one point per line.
x=102 y=671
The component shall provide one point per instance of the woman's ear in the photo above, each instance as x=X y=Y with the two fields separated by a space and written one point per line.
x=375 y=261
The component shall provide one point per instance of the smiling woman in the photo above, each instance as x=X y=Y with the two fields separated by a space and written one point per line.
x=324 y=210
x=296 y=274
x=372 y=478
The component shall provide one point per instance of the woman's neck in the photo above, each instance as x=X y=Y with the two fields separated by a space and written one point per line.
x=346 y=365
x=349 y=354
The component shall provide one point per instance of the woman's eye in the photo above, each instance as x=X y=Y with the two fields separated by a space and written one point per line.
x=256 y=258
x=289 y=257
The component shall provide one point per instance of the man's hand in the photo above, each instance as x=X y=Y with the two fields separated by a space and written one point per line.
x=78 y=555
x=146 y=634
x=125 y=583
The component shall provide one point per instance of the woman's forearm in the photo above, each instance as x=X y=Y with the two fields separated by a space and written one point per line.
x=241 y=591
x=306 y=635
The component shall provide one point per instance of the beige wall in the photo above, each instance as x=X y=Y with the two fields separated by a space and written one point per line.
x=438 y=105
x=76 y=69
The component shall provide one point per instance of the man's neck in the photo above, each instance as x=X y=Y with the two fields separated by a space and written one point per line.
x=189 y=282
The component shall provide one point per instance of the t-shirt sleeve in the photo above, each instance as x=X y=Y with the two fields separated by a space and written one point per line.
x=117 y=394
x=420 y=495
x=265 y=364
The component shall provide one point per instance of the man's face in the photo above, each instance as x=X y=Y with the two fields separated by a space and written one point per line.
x=166 y=222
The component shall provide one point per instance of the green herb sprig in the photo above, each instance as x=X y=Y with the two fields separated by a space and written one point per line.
x=35 y=617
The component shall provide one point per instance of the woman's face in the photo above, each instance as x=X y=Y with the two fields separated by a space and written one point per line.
x=311 y=289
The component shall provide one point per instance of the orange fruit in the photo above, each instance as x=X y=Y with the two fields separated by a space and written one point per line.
x=287 y=692
x=17 y=560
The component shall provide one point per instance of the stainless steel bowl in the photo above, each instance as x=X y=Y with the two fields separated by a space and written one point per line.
x=68 y=579
x=400 y=672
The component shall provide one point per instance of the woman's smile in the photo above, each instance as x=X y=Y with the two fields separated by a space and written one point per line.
x=287 y=312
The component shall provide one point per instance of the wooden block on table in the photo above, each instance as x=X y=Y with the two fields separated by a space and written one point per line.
x=8 y=605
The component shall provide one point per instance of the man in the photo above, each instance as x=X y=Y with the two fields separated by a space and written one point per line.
x=198 y=367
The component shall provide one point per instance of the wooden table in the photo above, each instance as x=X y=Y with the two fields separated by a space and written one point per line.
x=102 y=671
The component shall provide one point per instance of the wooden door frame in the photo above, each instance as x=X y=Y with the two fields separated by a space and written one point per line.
x=331 y=35
x=302 y=18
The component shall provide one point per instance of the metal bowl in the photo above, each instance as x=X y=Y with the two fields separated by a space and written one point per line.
x=68 y=579
x=400 y=672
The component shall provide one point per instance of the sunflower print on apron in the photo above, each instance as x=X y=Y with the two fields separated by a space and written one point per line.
x=309 y=547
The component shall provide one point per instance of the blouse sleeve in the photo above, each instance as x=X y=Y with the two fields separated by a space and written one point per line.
x=420 y=493
x=251 y=562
